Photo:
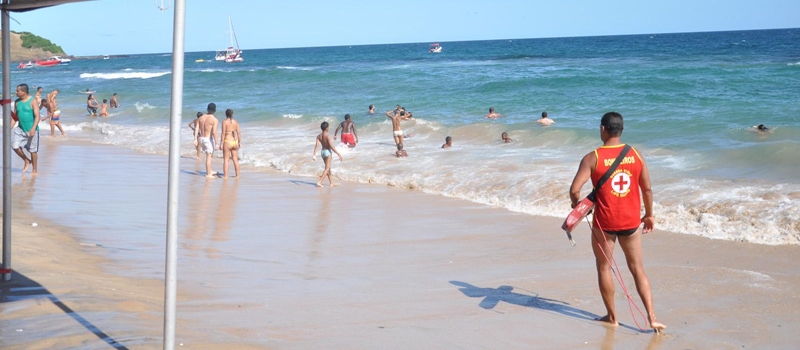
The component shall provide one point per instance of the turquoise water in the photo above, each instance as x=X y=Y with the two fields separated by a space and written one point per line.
x=688 y=102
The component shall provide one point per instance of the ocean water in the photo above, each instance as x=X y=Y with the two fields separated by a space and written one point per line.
x=688 y=100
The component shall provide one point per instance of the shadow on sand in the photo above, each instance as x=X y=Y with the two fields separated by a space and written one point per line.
x=21 y=287
x=493 y=296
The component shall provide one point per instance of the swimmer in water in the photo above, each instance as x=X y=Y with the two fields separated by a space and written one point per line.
x=492 y=114
x=400 y=151
x=448 y=142
x=505 y=138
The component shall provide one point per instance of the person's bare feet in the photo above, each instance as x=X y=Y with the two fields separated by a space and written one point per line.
x=319 y=184
x=608 y=320
x=334 y=185
x=27 y=164
x=657 y=326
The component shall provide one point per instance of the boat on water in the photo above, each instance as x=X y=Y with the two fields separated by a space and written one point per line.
x=230 y=54
x=23 y=65
x=435 y=48
x=48 y=62
x=199 y=60
x=105 y=57
x=62 y=59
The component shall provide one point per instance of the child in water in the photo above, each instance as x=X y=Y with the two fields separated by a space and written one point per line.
x=400 y=151
x=505 y=138
x=448 y=142
x=104 y=108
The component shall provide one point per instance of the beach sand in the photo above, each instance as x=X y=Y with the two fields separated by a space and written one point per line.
x=278 y=263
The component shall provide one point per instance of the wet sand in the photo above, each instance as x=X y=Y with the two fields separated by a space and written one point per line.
x=270 y=261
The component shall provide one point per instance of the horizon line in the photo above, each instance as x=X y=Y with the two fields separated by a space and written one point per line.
x=452 y=41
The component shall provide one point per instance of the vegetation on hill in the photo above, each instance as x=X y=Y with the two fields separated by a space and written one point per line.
x=30 y=40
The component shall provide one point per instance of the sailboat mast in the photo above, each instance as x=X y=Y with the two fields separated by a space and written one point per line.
x=233 y=34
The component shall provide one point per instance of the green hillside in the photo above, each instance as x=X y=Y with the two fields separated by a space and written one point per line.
x=30 y=40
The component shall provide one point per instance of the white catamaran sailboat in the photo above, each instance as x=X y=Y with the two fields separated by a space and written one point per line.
x=231 y=54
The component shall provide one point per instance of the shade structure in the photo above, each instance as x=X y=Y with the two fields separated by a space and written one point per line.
x=176 y=104
x=7 y=6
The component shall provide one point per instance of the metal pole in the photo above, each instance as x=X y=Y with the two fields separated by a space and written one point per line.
x=6 y=145
x=174 y=165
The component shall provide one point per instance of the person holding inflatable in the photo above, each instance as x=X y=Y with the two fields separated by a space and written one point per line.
x=616 y=212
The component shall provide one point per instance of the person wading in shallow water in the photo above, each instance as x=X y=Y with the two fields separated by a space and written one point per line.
x=324 y=141
x=616 y=213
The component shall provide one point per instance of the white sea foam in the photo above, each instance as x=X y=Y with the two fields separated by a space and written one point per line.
x=794 y=64
x=126 y=75
x=294 y=68
x=293 y=116
x=142 y=106
x=486 y=171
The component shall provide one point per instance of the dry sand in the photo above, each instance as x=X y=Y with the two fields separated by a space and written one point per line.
x=270 y=261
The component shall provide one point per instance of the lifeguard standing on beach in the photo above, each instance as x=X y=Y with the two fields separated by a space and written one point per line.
x=616 y=214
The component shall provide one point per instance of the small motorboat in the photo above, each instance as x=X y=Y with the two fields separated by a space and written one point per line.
x=105 y=57
x=48 y=62
x=435 y=48
x=61 y=59
x=23 y=65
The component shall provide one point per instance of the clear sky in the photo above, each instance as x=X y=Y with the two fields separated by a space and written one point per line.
x=136 y=26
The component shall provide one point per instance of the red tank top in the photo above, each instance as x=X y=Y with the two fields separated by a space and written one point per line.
x=618 y=205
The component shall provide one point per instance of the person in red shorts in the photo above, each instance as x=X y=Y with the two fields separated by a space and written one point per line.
x=616 y=213
x=349 y=136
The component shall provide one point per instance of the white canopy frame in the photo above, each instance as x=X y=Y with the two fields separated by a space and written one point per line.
x=176 y=105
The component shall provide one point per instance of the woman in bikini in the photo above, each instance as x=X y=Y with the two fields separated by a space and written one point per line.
x=53 y=113
x=231 y=142
x=324 y=140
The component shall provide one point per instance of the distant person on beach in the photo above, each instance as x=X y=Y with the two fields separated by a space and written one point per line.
x=371 y=109
x=205 y=134
x=505 y=138
x=104 y=109
x=616 y=213
x=53 y=113
x=193 y=125
x=324 y=141
x=114 y=103
x=400 y=151
x=448 y=142
x=545 y=121
x=349 y=136
x=492 y=114
x=91 y=105
x=39 y=97
x=26 y=133
x=231 y=142
x=396 y=119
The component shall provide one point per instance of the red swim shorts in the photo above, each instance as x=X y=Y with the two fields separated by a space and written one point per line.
x=348 y=139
